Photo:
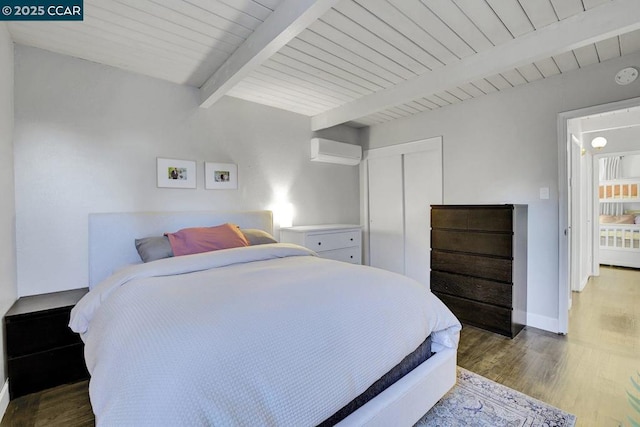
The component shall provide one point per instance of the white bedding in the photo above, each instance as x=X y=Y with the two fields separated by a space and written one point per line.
x=264 y=335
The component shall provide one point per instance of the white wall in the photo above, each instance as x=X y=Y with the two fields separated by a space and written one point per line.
x=7 y=209
x=341 y=133
x=502 y=148
x=86 y=140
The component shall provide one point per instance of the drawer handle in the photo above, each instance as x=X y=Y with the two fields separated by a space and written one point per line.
x=351 y=239
x=319 y=243
x=351 y=256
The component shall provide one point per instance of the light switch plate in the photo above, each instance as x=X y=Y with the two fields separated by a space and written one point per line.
x=544 y=193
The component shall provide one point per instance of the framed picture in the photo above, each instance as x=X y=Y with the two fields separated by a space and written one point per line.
x=174 y=173
x=220 y=176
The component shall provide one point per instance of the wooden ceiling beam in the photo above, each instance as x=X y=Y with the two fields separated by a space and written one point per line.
x=289 y=19
x=602 y=22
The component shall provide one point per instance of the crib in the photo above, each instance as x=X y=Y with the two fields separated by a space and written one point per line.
x=620 y=245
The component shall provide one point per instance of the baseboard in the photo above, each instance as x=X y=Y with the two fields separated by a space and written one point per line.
x=583 y=284
x=543 y=322
x=4 y=399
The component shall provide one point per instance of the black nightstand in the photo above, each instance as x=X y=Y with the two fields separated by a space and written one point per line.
x=42 y=351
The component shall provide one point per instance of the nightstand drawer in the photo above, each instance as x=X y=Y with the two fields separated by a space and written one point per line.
x=351 y=255
x=38 y=332
x=331 y=241
x=38 y=371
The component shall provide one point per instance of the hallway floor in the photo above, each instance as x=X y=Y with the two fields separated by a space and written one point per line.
x=586 y=372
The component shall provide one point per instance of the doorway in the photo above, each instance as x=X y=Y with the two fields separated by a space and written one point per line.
x=579 y=227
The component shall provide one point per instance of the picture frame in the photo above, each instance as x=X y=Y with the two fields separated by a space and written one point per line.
x=220 y=176
x=175 y=173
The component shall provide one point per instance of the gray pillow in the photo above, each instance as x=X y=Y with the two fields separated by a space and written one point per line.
x=257 y=237
x=153 y=248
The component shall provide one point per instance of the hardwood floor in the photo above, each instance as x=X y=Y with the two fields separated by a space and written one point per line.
x=586 y=372
x=63 y=406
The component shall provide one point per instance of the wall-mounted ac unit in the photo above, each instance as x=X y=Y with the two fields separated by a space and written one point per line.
x=328 y=151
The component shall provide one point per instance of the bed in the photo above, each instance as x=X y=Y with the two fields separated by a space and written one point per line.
x=620 y=243
x=619 y=190
x=259 y=335
x=620 y=234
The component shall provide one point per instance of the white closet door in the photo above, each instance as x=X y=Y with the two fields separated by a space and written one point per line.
x=422 y=188
x=386 y=222
x=403 y=181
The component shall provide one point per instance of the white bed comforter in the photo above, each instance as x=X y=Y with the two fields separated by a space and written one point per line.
x=264 y=335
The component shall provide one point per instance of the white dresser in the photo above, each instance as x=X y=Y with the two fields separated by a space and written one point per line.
x=341 y=242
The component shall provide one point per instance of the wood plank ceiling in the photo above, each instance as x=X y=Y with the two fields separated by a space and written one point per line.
x=355 y=54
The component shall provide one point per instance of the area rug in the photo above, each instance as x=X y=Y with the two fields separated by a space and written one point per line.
x=477 y=401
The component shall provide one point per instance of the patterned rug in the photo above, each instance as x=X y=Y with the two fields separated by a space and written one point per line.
x=477 y=401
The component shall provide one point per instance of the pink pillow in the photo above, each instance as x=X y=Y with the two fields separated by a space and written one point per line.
x=205 y=239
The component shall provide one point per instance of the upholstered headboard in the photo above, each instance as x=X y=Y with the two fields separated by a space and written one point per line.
x=112 y=235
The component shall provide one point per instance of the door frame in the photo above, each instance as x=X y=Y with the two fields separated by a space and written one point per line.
x=427 y=144
x=565 y=255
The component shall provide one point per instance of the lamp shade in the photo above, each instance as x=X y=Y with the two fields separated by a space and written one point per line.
x=598 y=142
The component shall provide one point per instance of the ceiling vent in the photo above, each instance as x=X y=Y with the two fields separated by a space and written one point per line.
x=328 y=151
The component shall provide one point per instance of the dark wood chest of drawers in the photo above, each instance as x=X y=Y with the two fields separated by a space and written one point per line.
x=42 y=351
x=479 y=264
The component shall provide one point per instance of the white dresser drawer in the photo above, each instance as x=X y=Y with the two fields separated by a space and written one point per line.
x=351 y=255
x=330 y=241
x=340 y=242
